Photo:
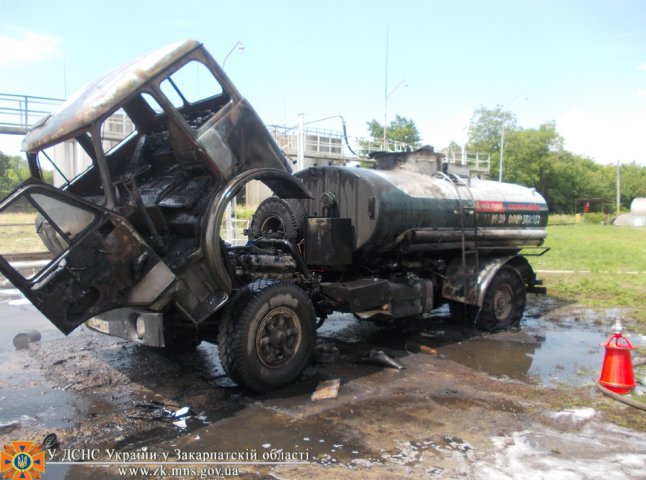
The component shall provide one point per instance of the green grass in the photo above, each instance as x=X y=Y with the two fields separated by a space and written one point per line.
x=245 y=212
x=560 y=219
x=595 y=248
x=608 y=267
x=18 y=233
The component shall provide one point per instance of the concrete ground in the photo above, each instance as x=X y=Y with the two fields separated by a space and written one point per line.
x=517 y=404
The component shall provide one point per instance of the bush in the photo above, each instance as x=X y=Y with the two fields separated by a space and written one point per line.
x=596 y=218
x=561 y=219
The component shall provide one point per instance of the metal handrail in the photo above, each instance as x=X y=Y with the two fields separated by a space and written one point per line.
x=24 y=111
x=328 y=142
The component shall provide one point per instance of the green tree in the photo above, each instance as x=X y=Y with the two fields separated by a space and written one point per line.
x=536 y=158
x=401 y=129
x=13 y=171
x=633 y=182
x=485 y=128
x=530 y=154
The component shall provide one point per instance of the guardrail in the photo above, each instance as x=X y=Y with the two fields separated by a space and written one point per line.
x=332 y=143
x=18 y=113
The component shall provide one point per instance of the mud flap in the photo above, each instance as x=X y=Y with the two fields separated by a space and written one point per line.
x=470 y=286
x=99 y=262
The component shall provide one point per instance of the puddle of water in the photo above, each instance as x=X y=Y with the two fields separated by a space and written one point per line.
x=500 y=359
x=551 y=353
x=261 y=430
x=571 y=356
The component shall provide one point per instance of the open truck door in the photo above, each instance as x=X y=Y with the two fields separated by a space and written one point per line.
x=98 y=261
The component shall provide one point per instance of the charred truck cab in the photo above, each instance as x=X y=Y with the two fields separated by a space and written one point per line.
x=135 y=238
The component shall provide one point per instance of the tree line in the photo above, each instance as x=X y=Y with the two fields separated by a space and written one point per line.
x=536 y=157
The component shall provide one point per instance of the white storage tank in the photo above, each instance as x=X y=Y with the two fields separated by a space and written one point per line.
x=638 y=212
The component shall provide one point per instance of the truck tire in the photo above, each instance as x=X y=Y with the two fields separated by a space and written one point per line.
x=278 y=218
x=504 y=302
x=267 y=335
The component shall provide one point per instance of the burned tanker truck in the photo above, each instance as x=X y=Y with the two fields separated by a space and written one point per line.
x=135 y=245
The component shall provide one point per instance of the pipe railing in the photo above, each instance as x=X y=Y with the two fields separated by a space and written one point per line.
x=24 y=111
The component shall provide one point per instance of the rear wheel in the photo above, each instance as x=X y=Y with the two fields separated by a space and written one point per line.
x=504 y=302
x=503 y=306
x=267 y=335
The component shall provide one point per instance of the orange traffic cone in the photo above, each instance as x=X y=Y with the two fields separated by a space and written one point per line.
x=617 y=372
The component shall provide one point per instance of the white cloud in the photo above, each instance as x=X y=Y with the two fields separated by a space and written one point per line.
x=642 y=67
x=441 y=132
x=605 y=136
x=27 y=47
x=642 y=93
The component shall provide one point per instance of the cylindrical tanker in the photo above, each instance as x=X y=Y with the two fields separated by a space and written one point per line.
x=408 y=208
x=638 y=212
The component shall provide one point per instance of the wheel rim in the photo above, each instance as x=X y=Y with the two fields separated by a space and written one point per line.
x=278 y=337
x=273 y=225
x=502 y=302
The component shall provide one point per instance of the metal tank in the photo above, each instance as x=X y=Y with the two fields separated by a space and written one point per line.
x=412 y=202
x=638 y=212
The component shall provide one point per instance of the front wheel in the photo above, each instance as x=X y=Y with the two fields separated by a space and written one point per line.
x=504 y=302
x=267 y=335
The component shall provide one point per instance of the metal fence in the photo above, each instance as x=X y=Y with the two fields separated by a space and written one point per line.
x=18 y=113
x=332 y=143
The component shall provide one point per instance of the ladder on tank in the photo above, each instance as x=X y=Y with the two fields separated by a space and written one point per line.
x=458 y=182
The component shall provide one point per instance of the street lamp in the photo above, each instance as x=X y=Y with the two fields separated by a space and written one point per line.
x=386 y=97
x=240 y=48
x=231 y=207
x=502 y=135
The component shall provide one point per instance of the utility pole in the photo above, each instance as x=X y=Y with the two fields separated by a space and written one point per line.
x=502 y=149
x=618 y=187
x=386 y=91
x=502 y=135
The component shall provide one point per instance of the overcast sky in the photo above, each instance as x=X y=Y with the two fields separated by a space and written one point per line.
x=579 y=63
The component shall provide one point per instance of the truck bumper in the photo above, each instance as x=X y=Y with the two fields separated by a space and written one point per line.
x=134 y=324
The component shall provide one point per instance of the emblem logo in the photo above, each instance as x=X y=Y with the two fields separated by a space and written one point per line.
x=22 y=461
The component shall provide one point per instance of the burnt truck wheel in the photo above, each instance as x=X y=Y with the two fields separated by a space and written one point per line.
x=267 y=335
x=504 y=302
x=278 y=218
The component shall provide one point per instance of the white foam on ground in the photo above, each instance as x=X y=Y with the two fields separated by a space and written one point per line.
x=576 y=414
x=599 y=451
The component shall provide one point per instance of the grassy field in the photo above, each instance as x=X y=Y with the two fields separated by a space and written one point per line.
x=18 y=233
x=597 y=265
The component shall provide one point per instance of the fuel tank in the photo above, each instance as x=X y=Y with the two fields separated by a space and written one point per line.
x=410 y=204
